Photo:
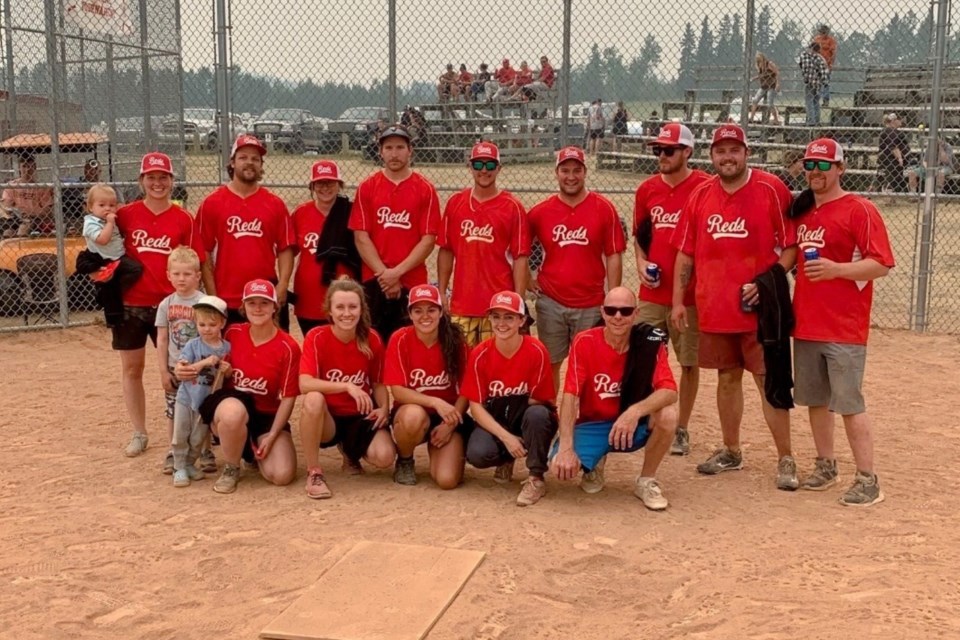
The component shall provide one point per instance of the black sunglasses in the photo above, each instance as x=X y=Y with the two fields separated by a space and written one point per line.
x=666 y=151
x=823 y=165
x=480 y=165
x=623 y=311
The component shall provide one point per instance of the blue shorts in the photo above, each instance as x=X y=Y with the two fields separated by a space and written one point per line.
x=591 y=441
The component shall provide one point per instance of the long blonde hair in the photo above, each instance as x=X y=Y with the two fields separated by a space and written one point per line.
x=348 y=285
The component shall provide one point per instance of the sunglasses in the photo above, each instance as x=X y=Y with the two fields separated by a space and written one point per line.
x=623 y=311
x=665 y=151
x=480 y=165
x=822 y=165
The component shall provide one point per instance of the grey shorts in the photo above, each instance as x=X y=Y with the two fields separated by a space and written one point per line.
x=170 y=399
x=557 y=324
x=829 y=374
x=685 y=344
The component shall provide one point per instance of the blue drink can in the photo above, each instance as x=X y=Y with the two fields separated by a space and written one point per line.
x=653 y=272
x=811 y=253
x=744 y=305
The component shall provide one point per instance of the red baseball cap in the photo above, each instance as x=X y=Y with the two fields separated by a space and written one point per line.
x=674 y=134
x=425 y=293
x=247 y=140
x=485 y=151
x=571 y=153
x=729 y=132
x=260 y=289
x=508 y=301
x=325 y=170
x=156 y=161
x=824 y=149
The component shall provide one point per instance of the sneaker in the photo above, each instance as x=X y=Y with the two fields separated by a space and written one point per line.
x=592 y=482
x=403 y=471
x=168 y=464
x=681 y=442
x=207 y=462
x=194 y=473
x=105 y=273
x=823 y=477
x=317 y=485
x=531 y=491
x=722 y=460
x=227 y=482
x=138 y=444
x=649 y=491
x=787 y=474
x=181 y=478
x=348 y=466
x=864 y=492
x=504 y=472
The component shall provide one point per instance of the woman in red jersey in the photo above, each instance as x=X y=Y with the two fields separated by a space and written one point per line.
x=345 y=401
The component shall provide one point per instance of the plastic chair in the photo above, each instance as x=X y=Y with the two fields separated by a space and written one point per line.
x=41 y=296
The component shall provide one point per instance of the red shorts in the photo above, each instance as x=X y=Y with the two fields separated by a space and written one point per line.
x=731 y=351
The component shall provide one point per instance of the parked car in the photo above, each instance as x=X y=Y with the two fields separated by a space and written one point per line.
x=293 y=130
x=201 y=128
x=360 y=122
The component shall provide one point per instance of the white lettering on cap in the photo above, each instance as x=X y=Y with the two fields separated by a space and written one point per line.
x=819 y=148
x=485 y=150
x=258 y=288
x=423 y=293
x=157 y=162
x=729 y=133
x=324 y=169
x=502 y=299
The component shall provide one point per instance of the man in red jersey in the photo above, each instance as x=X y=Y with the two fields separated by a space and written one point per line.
x=831 y=303
x=583 y=243
x=251 y=231
x=395 y=220
x=604 y=410
x=502 y=77
x=484 y=243
x=656 y=211
x=732 y=229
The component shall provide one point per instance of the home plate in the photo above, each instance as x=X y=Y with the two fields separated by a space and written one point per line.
x=378 y=591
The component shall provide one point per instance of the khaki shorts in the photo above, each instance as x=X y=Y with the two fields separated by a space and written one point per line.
x=686 y=343
x=829 y=374
x=476 y=329
x=731 y=351
x=557 y=325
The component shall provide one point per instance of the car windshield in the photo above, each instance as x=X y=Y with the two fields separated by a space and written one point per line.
x=283 y=115
x=199 y=114
x=362 y=113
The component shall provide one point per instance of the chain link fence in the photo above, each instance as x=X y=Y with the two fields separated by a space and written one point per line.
x=186 y=78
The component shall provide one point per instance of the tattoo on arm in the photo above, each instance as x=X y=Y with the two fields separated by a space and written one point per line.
x=686 y=273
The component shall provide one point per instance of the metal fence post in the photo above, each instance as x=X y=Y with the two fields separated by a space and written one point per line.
x=747 y=65
x=50 y=18
x=933 y=160
x=392 y=58
x=11 y=72
x=222 y=67
x=145 y=74
x=565 y=74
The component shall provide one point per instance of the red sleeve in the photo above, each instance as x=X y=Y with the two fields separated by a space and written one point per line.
x=520 y=243
x=640 y=212
x=576 y=368
x=393 y=362
x=615 y=242
x=192 y=237
x=543 y=391
x=376 y=363
x=430 y=225
x=872 y=239
x=207 y=223
x=662 y=375
x=358 y=217
x=308 y=361
x=291 y=377
x=443 y=237
x=473 y=383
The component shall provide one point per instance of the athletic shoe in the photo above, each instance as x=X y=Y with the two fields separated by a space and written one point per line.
x=138 y=444
x=593 y=481
x=317 y=485
x=105 y=273
x=227 y=482
x=864 y=492
x=207 y=461
x=404 y=472
x=181 y=478
x=348 y=466
x=168 y=464
x=787 y=474
x=824 y=475
x=194 y=473
x=681 y=442
x=722 y=460
x=649 y=491
x=531 y=491
x=504 y=473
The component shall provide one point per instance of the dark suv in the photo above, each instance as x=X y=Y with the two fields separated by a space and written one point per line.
x=359 y=123
x=289 y=129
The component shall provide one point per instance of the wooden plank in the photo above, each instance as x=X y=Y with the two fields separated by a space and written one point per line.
x=378 y=591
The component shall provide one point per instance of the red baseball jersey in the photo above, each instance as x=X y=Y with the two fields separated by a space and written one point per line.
x=308 y=223
x=328 y=358
x=576 y=241
x=844 y=230
x=412 y=364
x=505 y=76
x=247 y=234
x=490 y=374
x=595 y=375
x=661 y=203
x=150 y=238
x=396 y=215
x=269 y=371
x=485 y=238
x=733 y=238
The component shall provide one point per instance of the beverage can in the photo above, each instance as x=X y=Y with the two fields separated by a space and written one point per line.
x=811 y=253
x=653 y=272
x=744 y=305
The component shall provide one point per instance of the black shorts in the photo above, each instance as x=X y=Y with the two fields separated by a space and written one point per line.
x=386 y=315
x=465 y=428
x=596 y=133
x=131 y=332
x=354 y=434
x=258 y=422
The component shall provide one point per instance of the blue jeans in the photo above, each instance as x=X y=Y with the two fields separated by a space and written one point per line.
x=591 y=442
x=811 y=98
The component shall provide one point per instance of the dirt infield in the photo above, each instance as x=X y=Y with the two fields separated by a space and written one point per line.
x=102 y=546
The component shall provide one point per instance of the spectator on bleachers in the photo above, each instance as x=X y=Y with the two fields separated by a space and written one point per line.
x=447 y=85
x=518 y=90
x=813 y=69
x=596 y=124
x=35 y=205
x=620 y=129
x=792 y=174
x=503 y=77
x=945 y=161
x=465 y=83
x=768 y=75
x=828 y=49
x=892 y=156
x=480 y=80
x=654 y=129
x=545 y=77
x=75 y=196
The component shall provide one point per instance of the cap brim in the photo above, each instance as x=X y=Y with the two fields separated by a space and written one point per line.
x=200 y=305
x=259 y=295
x=504 y=308
x=484 y=157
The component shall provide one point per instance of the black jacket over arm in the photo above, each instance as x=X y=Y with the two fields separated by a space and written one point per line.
x=774 y=325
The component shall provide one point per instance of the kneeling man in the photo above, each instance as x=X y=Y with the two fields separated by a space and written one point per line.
x=619 y=395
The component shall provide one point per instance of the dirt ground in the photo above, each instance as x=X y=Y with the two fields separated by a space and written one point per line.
x=101 y=546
